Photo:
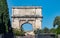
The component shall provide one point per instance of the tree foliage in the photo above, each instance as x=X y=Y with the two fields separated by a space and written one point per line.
x=18 y=32
x=53 y=30
x=46 y=30
x=57 y=22
x=4 y=16
x=38 y=31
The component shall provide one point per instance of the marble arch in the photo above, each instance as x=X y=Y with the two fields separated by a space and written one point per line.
x=23 y=14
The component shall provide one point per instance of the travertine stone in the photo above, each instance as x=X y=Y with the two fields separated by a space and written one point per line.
x=26 y=11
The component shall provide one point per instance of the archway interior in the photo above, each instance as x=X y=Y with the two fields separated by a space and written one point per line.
x=27 y=27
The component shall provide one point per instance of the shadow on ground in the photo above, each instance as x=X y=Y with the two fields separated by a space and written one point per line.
x=8 y=35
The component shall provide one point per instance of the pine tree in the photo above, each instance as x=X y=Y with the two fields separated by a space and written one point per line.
x=4 y=16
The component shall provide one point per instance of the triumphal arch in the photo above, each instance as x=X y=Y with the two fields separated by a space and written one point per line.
x=27 y=14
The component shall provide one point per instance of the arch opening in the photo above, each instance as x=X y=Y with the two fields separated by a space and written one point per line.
x=27 y=27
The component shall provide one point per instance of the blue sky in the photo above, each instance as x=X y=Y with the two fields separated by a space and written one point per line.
x=26 y=27
x=50 y=9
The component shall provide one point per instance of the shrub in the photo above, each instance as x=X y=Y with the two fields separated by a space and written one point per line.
x=38 y=31
x=18 y=32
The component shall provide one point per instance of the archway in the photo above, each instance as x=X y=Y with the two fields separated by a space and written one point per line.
x=30 y=14
x=27 y=26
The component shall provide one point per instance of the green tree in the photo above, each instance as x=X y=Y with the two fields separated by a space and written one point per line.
x=46 y=30
x=53 y=30
x=38 y=31
x=57 y=22
x=4 y=16
x=18 y=32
